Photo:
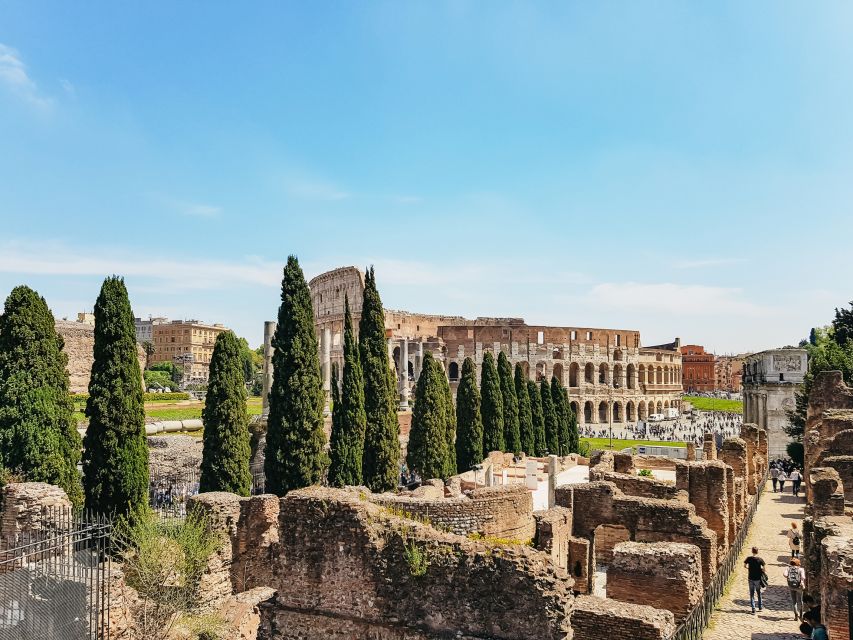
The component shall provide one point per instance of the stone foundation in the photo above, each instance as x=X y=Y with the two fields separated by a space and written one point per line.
x=596 y=618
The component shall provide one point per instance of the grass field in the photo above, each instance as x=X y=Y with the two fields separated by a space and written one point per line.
x=181 y=411
x=604 y=443
x=714 y=404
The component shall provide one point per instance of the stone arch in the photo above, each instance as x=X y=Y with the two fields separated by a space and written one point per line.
x=575 y=407
x=574 y=373
x=630 y=412
x=540 y=371
x=617 y=412
x=617 y=375
x=631 y=378
x=642 y=371
x=659 y=375
x=587 y=412
x=603 y=373
x=589 y=373
x=641 y=410
x=617 y=355
x=453 y=371
x=659 y=407
x=602 y=411
x=557 y=372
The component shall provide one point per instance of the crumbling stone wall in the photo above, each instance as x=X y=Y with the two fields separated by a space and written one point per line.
x=30 y=507
x=829 y=415
x=596 y=618
x=554 y=537
x=708 y=494
x=604 y=465
x=645 y=519
x=836 y=579
x=733 y=454
x=665 y=575
x=79 y=339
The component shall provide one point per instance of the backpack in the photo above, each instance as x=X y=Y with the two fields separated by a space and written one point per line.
x=795 y=580
x=796 y=541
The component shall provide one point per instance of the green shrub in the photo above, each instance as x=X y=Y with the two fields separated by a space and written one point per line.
x=416 y=558
x=79 y=399
x=646 y=473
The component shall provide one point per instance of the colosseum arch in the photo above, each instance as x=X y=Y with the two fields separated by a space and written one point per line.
x=602 y=411
x=557 y=372
x=617 y=355
x=540 y=371
x=574 y=406
x=617 y=412
x=603 y=374
x=632 y=376
x=642 y=371
x=525 y=368
x=659 y=407
x=641 y=410
x=630 y=412
x=666 y=404
x=589 y=373
x=454 y=371
x=659 y=375
x=574 y=373
x=587 y=412
x=617 y=375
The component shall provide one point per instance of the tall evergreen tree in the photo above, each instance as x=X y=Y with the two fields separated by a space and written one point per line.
x=492 y=406
x=348 y=446
x=450 y=425
x=295 y=454
x=573 y=437
x=115 y=454
x=538 y=418
x=550 y=418
x=842 y=325
x=564 y=416
x=381 y=459
x=38 y=433
x=512 y=435
x=337 y=443
x=525 y=413
x=227 y=449
x=427 y=450
x=469 y=420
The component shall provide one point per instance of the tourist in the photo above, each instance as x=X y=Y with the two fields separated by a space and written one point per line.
x=818 y=631
x=755 y=571
x=782 y=477
x=796 y=478
x=794 y=540
x=774 y=476
x=796 y=577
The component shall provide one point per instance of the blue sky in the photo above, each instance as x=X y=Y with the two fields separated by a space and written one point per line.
x=685 y=169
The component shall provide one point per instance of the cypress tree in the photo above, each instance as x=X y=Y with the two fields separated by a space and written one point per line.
x=561 y=408
x=115 y=454
x=538 y=418
x=295 y=440
x=337 y=442
x=38 y=433
x=427 y=450
x=525 y=414
x=226 y=451
x=450 y=424
x=549 y=415
x=381 y=459
x=573 y=437
x=349 y=420
x=469 y=421
x=512 y=436
x=492 y=406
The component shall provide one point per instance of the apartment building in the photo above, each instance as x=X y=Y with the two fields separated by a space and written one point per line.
x=188 y=343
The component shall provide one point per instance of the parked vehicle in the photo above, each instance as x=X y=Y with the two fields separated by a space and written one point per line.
x=670 y=413
x=656 y=417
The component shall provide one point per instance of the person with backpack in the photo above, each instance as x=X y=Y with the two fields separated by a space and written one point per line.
x=796 y=479
x=755 y=573
x=796 y=578
x=794 y=540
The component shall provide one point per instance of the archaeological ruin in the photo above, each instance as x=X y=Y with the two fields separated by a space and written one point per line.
x=609 y=375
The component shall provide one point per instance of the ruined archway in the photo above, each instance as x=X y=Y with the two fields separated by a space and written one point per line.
x=454 y=372
x=602 y=412
x=617 y=412
x=641 y=410
x=589 y=373
x=558 y=372
x=574 y=406
x=603 y=374
x=574 y=373
x=630 y=412
x=587 y=412
x=540 y=371
x=617 y=375
x=632 y=377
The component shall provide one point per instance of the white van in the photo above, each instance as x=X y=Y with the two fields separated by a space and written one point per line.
x=671 y=413
x=656 y=417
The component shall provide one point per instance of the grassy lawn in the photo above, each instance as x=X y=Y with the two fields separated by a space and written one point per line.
x=714 y=404
x=184 y=411
x=604 y=443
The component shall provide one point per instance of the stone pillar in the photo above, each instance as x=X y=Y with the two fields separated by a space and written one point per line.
x=269 y=330
x=709 y=447
x=404 y=375
x=553 y=469
x=419 y=365
x=708 y=494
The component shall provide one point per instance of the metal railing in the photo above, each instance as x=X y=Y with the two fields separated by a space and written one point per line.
x=54 y=579
x=172 y=490
x=698 y=619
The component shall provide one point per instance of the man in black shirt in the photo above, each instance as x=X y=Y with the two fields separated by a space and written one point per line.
x=755 y=567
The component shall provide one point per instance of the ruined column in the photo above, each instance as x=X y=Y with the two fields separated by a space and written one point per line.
x=404 y=375
x=709 y=447
x=269 y=330
x=420 y=361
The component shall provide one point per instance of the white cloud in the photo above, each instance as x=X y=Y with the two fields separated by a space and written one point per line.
x=156 y=273
x=188 y=208
x=678 y=299
x=307 y=188
x=13 y=74
x=702 y=263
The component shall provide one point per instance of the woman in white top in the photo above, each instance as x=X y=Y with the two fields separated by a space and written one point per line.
x=795 y=575
x=782 y=477
x=794 y=540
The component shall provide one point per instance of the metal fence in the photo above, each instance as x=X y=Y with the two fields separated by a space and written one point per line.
x=171 y=490
x=694 y=625
x=54 y=579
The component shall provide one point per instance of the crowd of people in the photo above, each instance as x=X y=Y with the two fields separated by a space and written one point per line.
x=686 y=428
x=782 y=471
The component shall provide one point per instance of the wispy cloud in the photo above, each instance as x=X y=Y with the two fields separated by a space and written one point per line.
x=702 y=263
x=308 y=188
x=158 y=273
x=676 y=299
x=14 y=76
x=186 y=207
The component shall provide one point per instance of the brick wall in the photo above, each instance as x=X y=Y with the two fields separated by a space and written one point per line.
x=665 y=575
x=596 y=618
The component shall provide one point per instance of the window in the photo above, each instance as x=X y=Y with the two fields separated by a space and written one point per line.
x=589 y=335
x=540 y=337
x=574 y=335
x=618 y=340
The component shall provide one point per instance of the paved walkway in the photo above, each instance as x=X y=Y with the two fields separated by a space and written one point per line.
x=733 y=619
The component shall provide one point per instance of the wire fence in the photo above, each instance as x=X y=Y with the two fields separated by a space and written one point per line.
x=54 y=579
x=171 y=490
x=694 y=625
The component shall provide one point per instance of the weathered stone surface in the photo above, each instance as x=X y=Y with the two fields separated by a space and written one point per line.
x=836 y=581
x=596 y=618
x=827 y=493
x=174 y=456
x=664 y=575
x=30 y=507
x=241 y=614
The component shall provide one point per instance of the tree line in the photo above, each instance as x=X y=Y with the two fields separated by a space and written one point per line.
x=39 y=439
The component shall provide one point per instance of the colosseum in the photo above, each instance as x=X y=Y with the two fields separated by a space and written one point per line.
x=607 y=372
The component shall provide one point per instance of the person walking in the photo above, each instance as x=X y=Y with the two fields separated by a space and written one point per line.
x=796 y=479
x=782 y=477
x=795 y=575
x=794 y=540
x=774 y=476
x=755 y=571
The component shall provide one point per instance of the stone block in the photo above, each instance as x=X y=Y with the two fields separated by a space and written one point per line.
x=596 y=618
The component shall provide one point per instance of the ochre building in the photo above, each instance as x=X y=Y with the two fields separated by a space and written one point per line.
x=607 y=372
x=188 y=343
x=698 y=367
